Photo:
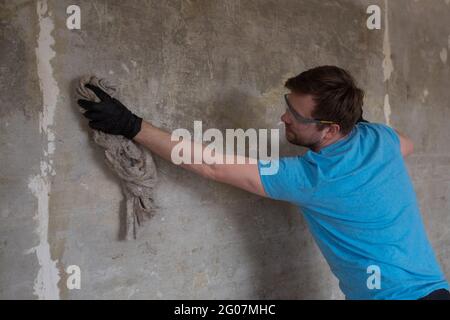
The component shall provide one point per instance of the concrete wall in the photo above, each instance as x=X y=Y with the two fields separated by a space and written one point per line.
x=222 y=62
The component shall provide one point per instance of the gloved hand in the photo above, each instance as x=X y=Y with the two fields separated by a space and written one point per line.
x=110 y=115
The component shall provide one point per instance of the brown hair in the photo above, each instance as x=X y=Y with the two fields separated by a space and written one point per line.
x=336 y=95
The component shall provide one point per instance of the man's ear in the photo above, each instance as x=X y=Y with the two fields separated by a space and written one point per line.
x=332 y=130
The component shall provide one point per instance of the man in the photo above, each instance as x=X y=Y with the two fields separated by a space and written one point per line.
x=352 y=185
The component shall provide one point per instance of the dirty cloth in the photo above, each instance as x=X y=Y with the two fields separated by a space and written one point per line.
x=130 y=162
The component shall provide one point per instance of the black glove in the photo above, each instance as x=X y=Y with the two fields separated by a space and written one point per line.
x=110 y=115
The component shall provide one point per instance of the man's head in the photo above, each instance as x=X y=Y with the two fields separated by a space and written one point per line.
x=326 y=93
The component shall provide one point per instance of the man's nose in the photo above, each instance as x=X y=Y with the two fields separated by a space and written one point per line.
x=285 y=118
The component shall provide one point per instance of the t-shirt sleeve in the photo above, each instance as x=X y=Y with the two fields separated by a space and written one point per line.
x=392 y=135
x=288 y=179
x=389 y=133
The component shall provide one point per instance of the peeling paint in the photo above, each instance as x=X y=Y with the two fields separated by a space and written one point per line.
x=387 y=110
x=387 y=61
x=387 y=64
x=46 y=282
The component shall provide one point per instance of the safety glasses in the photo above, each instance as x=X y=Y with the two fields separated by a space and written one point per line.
x=299 y=118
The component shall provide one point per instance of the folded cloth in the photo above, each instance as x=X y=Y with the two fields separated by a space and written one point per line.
x=132 y=164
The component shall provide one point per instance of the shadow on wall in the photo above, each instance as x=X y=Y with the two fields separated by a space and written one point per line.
x=281 y=255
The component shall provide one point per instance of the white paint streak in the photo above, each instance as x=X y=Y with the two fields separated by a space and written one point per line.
x=210 y=68
x=387 y=61
x=48 y=85
x=443 y=55
x=46 y=282
x=387 y=110
x=124 y=67
x=388 y=67
x=425 y=95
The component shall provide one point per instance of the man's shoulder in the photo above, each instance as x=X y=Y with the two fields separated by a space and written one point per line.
x=380 y=129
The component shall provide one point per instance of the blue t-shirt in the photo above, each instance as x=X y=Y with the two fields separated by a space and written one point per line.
x=360 y=205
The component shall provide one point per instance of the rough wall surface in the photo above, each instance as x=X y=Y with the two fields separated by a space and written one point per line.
x=222 y=62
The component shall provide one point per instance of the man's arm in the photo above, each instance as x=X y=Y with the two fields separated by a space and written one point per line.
x=406 y=144
x=244 y=176
x=111 y=116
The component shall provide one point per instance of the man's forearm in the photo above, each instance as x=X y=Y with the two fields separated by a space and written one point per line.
x=155 y=139
x=240 y=173
x=159 y=141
